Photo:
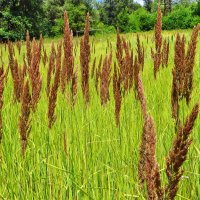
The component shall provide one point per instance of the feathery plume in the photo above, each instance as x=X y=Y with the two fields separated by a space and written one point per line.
x=98 y=72
x=148 y=169
x=190 y=58
x=183 y=71
x=54 y=89
x=158 y=30
x=165 y=53
x=68 y=61
x=117 y=94
x=105 y=79
x=141 y=96
x=140 y=53
x=178 y=154
x=157 y=55
x=24 y=119
x=84 y=59
x=18 y=75
x=148 y=166
x=35 y=77
x=50 y=68
x=124 y=56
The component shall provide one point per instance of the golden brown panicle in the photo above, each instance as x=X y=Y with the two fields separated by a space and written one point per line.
x=148 y=166
x=105 y=79
x=140 y=53
x=24 y=119
x=85 y=59
x=35 y=77
x=178 y=153
x=158 y=41
x=54 y=89
x=183 y=71
x=68 y=61
x=148 y=169
x=50 y=68
x=117 y=95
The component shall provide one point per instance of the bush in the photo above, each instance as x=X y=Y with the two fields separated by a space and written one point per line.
x=134 y=23
x=197 y=10
x=57 y=29
x=104 y=28
x=180 y=18
x=141 y=20
x=122 y=21
x=195 y=21
x=13 y=27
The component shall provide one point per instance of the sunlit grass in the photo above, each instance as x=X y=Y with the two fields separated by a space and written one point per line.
x=101 y=160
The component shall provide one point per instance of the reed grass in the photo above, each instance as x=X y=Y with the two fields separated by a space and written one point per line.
x=73 y=151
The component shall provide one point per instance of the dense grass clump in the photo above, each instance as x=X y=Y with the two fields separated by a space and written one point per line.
x=101 y=118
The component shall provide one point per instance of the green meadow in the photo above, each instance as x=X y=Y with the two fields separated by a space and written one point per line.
x=85 y=155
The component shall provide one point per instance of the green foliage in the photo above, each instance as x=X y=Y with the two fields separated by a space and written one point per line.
x=197 y=11
x=77 y=11
x=102 y=28
x=57 y=29
x=122 y=19
x=146 y=19
x=141 y=20
x=180 y=18
x=148 y=5
x=13 y=27
x=54 y=12
x=46 y=16
x=134 y=23
x=18 y=16
x=112 y=10
x=76 y=16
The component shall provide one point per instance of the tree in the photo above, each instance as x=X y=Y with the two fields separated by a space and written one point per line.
x=122 y=19
x=53 y=12
x=148 y=5
x=198 y=8
x=110 y=9
x=77 y=10
x=17 y=16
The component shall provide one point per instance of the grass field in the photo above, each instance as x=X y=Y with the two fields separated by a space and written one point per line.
x=101 y=161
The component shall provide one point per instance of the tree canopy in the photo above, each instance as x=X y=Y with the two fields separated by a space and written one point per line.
x=46 y=16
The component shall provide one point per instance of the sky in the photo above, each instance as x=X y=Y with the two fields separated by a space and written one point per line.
x=140 y=2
